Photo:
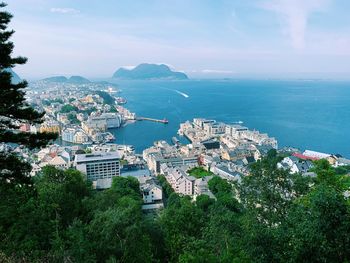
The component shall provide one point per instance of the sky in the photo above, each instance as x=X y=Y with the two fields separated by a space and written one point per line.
x=203 y=38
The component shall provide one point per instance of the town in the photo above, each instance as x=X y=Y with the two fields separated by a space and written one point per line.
x=83 y=114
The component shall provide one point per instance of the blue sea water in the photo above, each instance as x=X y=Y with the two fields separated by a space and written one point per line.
x=304 y=114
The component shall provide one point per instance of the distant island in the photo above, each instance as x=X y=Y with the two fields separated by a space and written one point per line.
x=149 y=71
x=63 y=79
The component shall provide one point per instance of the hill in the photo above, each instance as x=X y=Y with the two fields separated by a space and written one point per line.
x=56 y=79
x=78 y=79
x=72 y=79
x=149 y=71
x=15 y=78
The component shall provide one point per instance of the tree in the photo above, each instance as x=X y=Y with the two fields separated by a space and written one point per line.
x=68 y=108
x=269 y=191
x=14 y=110
x=319 y=226
x=181 y=222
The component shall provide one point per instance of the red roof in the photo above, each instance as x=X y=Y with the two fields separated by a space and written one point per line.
x=304 y=157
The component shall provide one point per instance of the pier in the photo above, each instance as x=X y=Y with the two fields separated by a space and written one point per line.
x=165 y=121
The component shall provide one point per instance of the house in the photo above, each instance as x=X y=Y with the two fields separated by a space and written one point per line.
x=342 y=161
x=262 y=150
x=151 y=193
x=224 y=172
x=59 y=162
x=295 y=165
x=238 y=153
x=201 y=187
x=314 y=154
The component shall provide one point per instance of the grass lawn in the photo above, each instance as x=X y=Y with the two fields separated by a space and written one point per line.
x=199 y=172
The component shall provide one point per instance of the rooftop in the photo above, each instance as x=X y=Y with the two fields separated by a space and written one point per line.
x=91 y=157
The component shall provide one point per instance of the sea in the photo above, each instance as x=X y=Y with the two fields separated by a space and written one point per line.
x=306 y=114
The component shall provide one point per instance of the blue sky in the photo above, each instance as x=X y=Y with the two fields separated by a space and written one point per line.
x=204 y=38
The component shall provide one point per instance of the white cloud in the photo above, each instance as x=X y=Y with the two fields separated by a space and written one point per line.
x=64 y=10
x=128 y=67
x=294 y=16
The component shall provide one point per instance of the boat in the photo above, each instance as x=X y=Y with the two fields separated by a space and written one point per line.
x=120 y=100
x=109 y=137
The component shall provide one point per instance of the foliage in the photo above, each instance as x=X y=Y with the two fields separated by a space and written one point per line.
x=68 y=108
x=199 y=172
x=167 y=189
x=342 y=170
x=62 y=219
x=268 y=191
x=107 y=98
x=14 y=110
x=73 y=118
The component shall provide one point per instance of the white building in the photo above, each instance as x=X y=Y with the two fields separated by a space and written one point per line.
x=68 y=134
x=100 y=168
x=180 y=181
x=314 y=154
x=151 y=193
x=295 y=165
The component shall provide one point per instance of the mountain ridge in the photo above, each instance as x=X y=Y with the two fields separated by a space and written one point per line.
x=62 y=79
x=149 y=71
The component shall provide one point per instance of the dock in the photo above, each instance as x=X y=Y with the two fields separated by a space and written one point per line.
x=165 y=121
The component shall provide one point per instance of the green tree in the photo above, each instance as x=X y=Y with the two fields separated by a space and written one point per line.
x=14 y=110
x=269 y=191
x=181 y=223
x=68 y=108
x=319 y=227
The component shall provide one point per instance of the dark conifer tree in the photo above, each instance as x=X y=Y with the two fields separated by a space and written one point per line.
x=14 y=110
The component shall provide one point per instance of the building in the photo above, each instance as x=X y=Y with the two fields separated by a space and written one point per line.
x=155 y=160
x=50 y=126
x=180 y=181
x=151 y=193
x=235 y=130
x=60 y=162
x=68 y=135
x=224 y=172
x=214 y=128
x=314 y=154
x=238 y=153
x=200 y=123
x=295 y=165
x=201 y=187
x=91 y=126
x=211 y=144
x=74 y=136
x=80 y=137
x=99 y=168
x=104 y=121
x=113 y=120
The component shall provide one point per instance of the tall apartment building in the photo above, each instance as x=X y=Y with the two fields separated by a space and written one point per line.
x=99 y=168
